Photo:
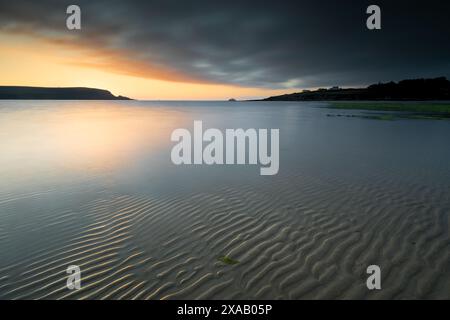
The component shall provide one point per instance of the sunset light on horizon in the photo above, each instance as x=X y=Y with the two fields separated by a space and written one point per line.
x=226 y=158
x=63 y=64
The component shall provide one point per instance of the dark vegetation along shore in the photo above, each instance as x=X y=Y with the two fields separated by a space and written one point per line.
x=39 y=93
x=407 y=99
x=416 y=89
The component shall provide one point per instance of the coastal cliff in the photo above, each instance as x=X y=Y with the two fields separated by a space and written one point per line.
x=40 y=93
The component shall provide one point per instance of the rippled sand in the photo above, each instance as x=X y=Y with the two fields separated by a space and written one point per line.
x=344 y=199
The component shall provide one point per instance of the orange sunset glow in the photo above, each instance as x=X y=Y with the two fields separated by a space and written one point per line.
x=30 y=60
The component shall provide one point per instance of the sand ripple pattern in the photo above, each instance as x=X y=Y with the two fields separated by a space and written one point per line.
x=290 y=244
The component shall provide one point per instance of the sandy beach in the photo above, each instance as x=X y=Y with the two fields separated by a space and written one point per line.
x=350 y=192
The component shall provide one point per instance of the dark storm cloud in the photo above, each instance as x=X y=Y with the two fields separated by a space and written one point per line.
x=272 y=44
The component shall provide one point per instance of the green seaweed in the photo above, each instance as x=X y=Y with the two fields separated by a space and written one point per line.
x=228 y=260
x=438 y=108
x=384 y=117
x=427 y=117
x=403 y=110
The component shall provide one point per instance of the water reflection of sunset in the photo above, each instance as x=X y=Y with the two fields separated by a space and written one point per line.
x=80 y=136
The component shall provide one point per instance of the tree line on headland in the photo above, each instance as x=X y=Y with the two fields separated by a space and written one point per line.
x=412 y=89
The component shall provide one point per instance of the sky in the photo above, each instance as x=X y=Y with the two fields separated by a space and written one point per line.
x=206 y=50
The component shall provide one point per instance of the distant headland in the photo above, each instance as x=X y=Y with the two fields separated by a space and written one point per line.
x=413 y=89
x=41 y=93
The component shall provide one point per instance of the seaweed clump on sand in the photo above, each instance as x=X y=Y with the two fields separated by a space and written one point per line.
x=228 y=260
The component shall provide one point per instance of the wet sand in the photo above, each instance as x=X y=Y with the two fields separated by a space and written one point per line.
x=350 y=193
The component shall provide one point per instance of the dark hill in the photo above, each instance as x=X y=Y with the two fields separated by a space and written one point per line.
x=38 y=93
x=416 y=89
